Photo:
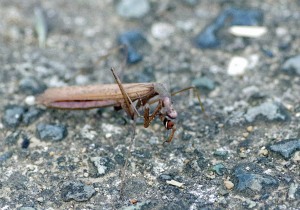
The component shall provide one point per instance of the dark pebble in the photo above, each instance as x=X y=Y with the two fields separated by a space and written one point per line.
x=134 y=41
x=60 y=159
x=13 y=116
x=31 y=115
x=120 y=159
x=25 y=142
x=268 y=53
x=208 y=37
x=71 y=190
x=284 y=46
x=49 y=132
x=220 y=169
x=164 y=177
x=31 y=86
x=252 y=180
x=286 y=147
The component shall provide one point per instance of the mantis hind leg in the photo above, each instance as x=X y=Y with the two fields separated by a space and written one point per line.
x=128 y=102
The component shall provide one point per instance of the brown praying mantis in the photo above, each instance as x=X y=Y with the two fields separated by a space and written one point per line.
x=120 y=96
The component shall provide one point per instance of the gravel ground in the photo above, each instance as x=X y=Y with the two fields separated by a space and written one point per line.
x=243 y=157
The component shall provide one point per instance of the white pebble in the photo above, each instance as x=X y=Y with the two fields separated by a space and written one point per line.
x=237 y=66
x=162 y=30
x=81 y=80
x=108 y=135
x=30 y=100
x=248 y=31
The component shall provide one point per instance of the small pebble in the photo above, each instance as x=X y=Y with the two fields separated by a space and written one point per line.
x=103 y=164
x=30 y=100
x=13 y=116
x=237 y=66
x=289 y=107
x=208 y=37
x=251 y=204
x=81 y=80
x=40 y=199
x=31 y=167
x=211 y=176
x=31 y=115
x=249 y=128
x=164 y=177
x=248 y=31
x=243 y=155
x=265 y=152
x=175 y=183
x=133 y=201
x=293 y=191
x=162 y=30
x=49 y=132
x=220 y=169
x=245 y=134
x=228 y=184
x=108 y=135
x=292 y=65
x=134 y=41
x=25 y=142
x=133 y=8
x=31 y=86
x=296 y=157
